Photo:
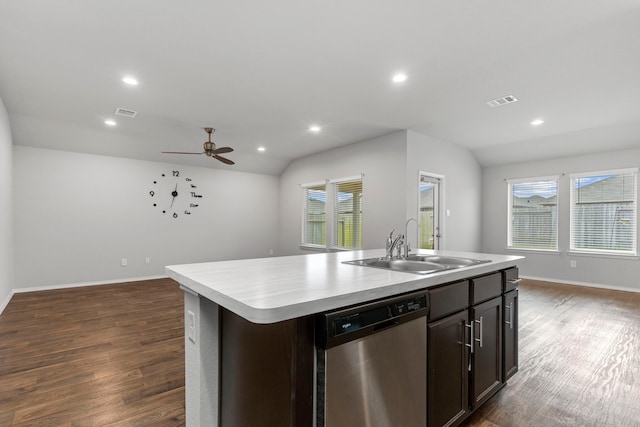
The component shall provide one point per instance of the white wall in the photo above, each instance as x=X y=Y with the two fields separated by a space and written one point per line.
x=462 y=189
x=381 y=160
x=6 y=234
x=600 y=271
x=77 y=215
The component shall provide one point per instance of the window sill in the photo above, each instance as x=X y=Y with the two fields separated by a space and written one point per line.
x=537 y=251
x=631 y=256
x=313 y=248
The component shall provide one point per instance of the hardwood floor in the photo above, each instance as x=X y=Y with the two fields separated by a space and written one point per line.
x=579 y=361
x=110 y=355
x=113 y=355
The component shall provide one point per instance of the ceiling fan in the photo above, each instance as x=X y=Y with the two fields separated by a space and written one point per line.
x=210 y=149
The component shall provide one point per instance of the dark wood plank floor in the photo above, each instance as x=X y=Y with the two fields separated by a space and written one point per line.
x=579 y=361
x=110 y=355
x=113 y=355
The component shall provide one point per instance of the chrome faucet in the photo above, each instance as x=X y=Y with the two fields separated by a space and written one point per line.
x=394 y=243
x=407 y=245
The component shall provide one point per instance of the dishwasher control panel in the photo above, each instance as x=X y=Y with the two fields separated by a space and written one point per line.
x=339 y=326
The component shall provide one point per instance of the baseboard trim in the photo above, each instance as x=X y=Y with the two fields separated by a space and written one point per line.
x=5 y=303
x=78 y=285
x=585 y=284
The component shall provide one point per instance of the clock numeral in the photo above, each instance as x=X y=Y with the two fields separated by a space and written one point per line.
x=193 y=194
x=187 y=213
x=176 y=173
x=194 y=186
x=188 y=179
x=193 y=205
x=175 y=215
x=152 y=193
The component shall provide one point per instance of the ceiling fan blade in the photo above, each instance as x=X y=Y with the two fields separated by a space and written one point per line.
x=222 y=150
x=179 y=152
x=224 y=159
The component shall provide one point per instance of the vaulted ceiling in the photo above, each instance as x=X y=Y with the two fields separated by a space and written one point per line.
x=262 y=73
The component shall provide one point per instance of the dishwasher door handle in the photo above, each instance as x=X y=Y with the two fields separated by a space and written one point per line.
x=385 y=325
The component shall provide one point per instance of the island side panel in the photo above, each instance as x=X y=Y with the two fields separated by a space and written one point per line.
x=202 y=377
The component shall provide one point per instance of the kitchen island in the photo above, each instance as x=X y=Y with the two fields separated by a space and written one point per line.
x=237 y=312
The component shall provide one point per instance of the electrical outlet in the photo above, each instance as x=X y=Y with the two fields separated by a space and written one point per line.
x=270 y=252
x=191 y=326
x=123 y=262
x=147 y=260
x=572 y=263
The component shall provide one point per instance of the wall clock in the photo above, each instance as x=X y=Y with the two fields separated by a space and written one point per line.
x=175 y=194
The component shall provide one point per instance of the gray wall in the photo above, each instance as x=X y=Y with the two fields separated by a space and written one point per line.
x=462 y=189
x=77 y=215
x=391 y=165
x=6 y=234
x=603 y=271
x=381 y=160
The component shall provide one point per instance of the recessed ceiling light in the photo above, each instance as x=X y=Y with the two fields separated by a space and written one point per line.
x=130 y=80
x=110 y=122
x=399 y=78
x=537 y=122
x=314 y=129
x=262 y=149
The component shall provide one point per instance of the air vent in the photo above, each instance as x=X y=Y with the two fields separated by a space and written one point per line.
x=125 y=112
x=501 y=101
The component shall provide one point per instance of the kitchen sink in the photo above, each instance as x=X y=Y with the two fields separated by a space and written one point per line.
x=418 y=264
x=401 y=264
x=456 y=262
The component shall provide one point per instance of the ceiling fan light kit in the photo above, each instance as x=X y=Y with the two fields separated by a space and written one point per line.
x=210 y=150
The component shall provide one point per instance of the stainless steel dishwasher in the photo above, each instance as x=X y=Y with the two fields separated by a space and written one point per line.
x=372 y=364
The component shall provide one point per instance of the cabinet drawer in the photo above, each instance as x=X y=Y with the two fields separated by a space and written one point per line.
x=486 y=287
x=511 y=279
x=448 y=299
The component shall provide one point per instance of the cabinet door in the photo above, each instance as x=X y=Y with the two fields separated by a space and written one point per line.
x=448 y=370
x=486 y=359
x=510 y=334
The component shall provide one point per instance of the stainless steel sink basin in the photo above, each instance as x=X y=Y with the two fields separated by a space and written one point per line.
x=406 y=265
x=456 y=262
x=419 y=264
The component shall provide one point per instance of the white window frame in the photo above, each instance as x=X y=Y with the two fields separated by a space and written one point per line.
x=603 y=252
x=303 y=231
x=510 y=183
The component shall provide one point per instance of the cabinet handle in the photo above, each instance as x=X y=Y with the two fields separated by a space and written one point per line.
x=510 y=321
x=470 y=345
x=514 y=281
x=481 y=334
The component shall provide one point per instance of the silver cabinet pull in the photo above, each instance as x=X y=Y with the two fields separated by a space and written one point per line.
x=481 y=334
x=514 y=281
x=471 y=340
x=510 y=321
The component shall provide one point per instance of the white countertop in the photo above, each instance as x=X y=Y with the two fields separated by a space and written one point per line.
x=269 y=290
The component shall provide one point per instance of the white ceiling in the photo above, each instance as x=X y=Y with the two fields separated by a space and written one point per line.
x=262 y=72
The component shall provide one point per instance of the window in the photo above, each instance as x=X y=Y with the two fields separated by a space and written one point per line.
x=314 y=217
x=533 y=214
x=603 y=212
x=347 y=214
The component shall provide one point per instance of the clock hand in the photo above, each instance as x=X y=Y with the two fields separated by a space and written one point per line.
x=174 y=193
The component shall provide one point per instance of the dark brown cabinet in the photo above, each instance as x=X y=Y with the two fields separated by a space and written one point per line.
x=448 y=370
x=510 y=322
x=471 y=351
x=486 y=358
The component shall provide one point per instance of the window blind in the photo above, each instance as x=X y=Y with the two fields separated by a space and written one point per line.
x=314 y=223
x=603 y=212
x=347 y=214
x=533 y=214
